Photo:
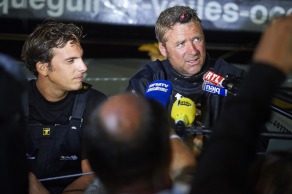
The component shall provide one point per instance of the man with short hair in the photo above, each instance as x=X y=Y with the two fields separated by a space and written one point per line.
x=131 y=150
x=182 y=41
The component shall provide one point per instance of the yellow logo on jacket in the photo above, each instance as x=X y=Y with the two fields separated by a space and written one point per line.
x=46 y=131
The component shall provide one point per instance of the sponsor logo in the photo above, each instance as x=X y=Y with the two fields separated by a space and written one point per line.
x=184 y=103
x=213 y=78
x=73 y=157
x=214 y=89
x=29 y=157
x=158 y=87
x=46 y=131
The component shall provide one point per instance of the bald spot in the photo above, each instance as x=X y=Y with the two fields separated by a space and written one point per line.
x=121 y=115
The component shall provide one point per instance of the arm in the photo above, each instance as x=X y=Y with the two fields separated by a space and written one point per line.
x=81 y=184
x=35 y=186
x=224 y=164
x=183 y=160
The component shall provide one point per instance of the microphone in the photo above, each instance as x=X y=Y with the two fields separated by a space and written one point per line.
x=230 y=82
x=214 y=79
x=159 y=90
x=183 y=113
x=214 y=89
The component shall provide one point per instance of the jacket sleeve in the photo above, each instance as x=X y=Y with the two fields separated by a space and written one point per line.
x=223 y=166
x=139 y=82
x=223 y=68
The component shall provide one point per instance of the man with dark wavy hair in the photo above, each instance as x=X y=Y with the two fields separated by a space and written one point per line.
x=57 y=107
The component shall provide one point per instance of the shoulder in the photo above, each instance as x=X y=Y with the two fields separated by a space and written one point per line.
x=153 y=70
x=95 y=99
x=32 y=89
x=98 y=95
x=149 y=70
x=93 y=93
x=30 y=83
x=94 y=96
x=223 y=68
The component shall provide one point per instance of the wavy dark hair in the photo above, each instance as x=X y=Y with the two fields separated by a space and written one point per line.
x=46 y=36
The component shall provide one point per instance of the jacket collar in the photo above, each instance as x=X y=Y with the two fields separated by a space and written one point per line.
x=195 y=78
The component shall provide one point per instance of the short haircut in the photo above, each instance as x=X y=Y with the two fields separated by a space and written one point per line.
x=119 y=161
x=171 y=16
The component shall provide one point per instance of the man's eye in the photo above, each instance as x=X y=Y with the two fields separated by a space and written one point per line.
x=180 y=44
x=70 y=61
x=197 y=39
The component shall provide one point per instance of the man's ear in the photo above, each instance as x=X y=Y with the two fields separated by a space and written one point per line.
x=162 y=49
x=42 y=68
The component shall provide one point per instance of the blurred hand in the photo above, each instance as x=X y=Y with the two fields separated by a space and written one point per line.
x=35 y=187
x=275 y=46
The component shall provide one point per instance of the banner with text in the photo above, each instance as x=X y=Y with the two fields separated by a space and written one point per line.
x=243 y=15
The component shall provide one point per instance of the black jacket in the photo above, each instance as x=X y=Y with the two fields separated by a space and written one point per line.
x=54 y=134
x=209 y=106
x=224 y=165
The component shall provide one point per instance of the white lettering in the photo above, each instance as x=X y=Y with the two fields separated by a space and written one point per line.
x=4 y=5
x=77 y=7
x=215 y=77
x=17 y=5
x=231 y=11
x=200 y=8
x=212 y=89
x=276 y=11
x=213 y=11
x=157 y=89
x=263 y=14
x=57 y=9
x=87 y=6
x=174 y=3
x=158 y=9
x=191 y=3
x=37 y=4
x=208 y=75
x=96 y=6
x=158 y=85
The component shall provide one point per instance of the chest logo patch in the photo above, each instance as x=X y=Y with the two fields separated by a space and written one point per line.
x=46 y=131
